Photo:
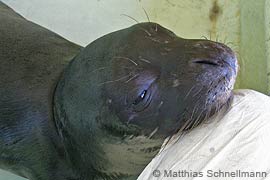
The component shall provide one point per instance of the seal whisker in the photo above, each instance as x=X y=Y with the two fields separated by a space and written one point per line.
x=217 y=38
x=106 y=82
x=178 y=133
x=228 y=43
x=217 y=107
x=144 y=60
x=146 y=14
x=188 y=124
x=130 y=18
x=153 y=133
x=189 y=92
x=155 y=40
x=98 y=69
x=166 y=143
x=184 y=127
x=148 y=33
x=198 y=120
x=237 y=52
x=181 y=134
x=208 y=113
x=195 y=94
x=130 y=79
x=204 y=37
x=191 y=118
x=225 y=39
x=120 y=57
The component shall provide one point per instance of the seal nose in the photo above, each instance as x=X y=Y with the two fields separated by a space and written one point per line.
x=206 y=61
x=232 y=61
x=218 y=55
x=228 y=57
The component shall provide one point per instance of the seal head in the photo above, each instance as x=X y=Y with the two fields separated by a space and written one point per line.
x=143 y=81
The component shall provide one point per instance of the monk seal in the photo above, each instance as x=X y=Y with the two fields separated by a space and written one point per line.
x=116 y=101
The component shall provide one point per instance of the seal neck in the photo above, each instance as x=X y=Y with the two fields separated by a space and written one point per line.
x=106 y=149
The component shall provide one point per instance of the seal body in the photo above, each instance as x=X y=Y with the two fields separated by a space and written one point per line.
x=31 y=61
x=115 y=103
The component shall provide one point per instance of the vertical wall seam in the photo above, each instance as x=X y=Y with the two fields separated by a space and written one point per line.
x=267 y=40
x=254 y=64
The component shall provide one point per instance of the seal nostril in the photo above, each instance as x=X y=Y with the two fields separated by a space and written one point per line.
x=206 y=62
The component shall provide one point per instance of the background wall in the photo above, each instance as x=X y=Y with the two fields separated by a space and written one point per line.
x=267 y=40
x=241 y=24
x=82 y=21
x=254 y=46
x=244 y=25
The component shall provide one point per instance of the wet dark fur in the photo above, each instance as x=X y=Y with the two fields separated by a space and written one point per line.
x=31 y=61
x=115 y=103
